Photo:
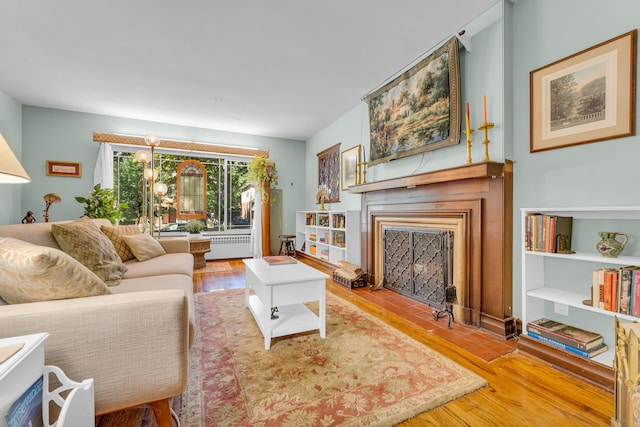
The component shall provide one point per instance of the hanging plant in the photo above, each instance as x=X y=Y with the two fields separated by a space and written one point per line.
x=261 y=171
x=102 y=203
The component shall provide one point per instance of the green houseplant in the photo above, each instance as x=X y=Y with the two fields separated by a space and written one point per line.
x=102 y=203
x=262 y=170
x=194 y=226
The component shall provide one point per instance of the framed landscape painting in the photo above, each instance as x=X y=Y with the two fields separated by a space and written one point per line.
x=585 y=97
x=419 y=110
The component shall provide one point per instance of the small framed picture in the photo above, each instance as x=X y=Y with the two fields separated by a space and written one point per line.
x=350 y=160
x=586 y=97
x=69 y=169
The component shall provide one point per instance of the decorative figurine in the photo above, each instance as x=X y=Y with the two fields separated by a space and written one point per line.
x=29 y=218
x=563 y=245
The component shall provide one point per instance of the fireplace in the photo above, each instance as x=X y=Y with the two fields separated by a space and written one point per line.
x=417 y=262
x=474 y=204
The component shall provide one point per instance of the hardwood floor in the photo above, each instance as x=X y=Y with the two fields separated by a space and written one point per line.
x=522 y=391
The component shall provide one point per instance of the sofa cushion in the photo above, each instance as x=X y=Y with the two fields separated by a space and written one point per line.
x=83 y=240
x=31 y=273
x=115 y=233
x=143 y=246
x=180 y=263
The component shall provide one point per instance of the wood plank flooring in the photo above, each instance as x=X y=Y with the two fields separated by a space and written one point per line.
x=522 y=391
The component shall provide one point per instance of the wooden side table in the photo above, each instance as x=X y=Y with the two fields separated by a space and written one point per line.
x=197 y=248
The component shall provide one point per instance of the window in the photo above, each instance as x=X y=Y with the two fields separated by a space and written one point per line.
x=229 y=198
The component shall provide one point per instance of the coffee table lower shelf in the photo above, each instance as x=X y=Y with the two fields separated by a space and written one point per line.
x=291 y=319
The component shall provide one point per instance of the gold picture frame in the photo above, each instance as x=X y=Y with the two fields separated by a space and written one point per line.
x=586 y=97
x=68 y=169
x=349 y=167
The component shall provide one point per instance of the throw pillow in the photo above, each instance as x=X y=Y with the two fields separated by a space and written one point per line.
x=144 y=246
x=83 y=240
x=31 y=273
x=115 y=233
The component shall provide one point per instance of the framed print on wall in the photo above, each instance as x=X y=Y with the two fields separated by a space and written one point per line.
x=419 y=110
x=329 y=172
x=586 y=97
x=349 y=166
x=70 y=169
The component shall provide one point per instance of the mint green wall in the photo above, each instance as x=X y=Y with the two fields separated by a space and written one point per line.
x=11 y=130
x=481 y=73
x=597 y=174
x=50 y=134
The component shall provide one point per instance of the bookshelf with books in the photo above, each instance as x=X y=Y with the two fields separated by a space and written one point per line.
x=331 y=236
x=562 y=286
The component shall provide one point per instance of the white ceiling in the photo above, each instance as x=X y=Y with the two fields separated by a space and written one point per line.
x=282 y=68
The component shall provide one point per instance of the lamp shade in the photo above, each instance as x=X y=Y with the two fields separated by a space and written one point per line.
x=152 y=139
x=160 y=188
x=11 y=171
x=143 y=156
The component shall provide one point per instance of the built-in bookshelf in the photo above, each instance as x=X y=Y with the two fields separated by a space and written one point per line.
x=332 y=236
x=559 y=285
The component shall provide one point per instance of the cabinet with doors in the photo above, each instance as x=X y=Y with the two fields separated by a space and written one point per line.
x=558 y=285
x=331 y=236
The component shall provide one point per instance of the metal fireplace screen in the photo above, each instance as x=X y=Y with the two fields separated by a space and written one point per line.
x=418 y=263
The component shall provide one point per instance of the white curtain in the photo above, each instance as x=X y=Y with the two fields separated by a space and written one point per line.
x=256 y=229
x=103 y=172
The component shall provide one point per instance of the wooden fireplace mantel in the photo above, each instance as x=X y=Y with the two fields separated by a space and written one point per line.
x=474 y=170
x=483 y=193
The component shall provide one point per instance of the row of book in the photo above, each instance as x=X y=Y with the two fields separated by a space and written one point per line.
x=569 y=338
x=617 y=290
x=547 y=233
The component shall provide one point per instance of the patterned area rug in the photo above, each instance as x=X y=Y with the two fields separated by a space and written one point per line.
x=217 y=267
x=364 y=373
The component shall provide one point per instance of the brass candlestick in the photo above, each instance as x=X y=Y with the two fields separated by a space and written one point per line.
x=468 y=132
x=485 y=127
x=362 y=166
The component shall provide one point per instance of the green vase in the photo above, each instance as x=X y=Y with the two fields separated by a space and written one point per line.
x=609 y=245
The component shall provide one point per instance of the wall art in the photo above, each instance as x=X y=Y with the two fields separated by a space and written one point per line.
x=419 y=110
x=70 y=169
x=329 y=172
x=586 y=97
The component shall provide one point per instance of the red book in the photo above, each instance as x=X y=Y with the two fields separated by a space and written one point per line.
x=607 y=290
x=635 y=303
x=551 y=244
x=614 y=290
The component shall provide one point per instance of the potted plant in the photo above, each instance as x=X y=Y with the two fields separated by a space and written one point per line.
x=102 y=203
x=262 y=170
x=194 y=226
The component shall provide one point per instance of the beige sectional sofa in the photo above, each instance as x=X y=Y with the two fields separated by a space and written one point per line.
x=133 y=341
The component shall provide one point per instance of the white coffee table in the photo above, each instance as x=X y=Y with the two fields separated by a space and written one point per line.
x=287 y=287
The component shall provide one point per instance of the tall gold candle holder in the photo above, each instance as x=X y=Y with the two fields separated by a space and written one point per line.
x=468 y=132
x=485 y=127
x=363 y=170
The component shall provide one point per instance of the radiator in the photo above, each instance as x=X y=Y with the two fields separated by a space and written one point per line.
x=229 y=246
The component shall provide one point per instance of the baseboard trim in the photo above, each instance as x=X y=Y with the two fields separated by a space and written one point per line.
x=585 y=368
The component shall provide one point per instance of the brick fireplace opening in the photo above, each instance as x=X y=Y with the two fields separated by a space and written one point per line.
x=475 y=202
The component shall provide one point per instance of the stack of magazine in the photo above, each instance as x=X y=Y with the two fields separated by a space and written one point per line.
x=575 y=340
